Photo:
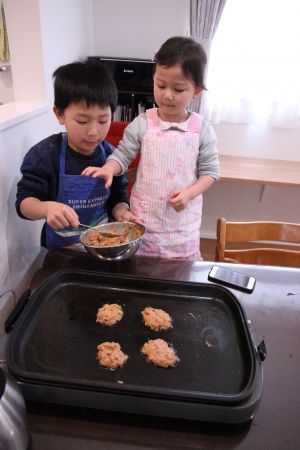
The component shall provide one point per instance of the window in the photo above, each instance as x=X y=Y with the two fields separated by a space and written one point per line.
x=254 y=68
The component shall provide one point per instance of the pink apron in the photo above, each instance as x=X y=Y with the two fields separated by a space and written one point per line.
x=168 y=162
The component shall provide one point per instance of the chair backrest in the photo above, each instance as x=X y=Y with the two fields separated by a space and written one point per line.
x=258 y=243
x=114 y=136
x=115 y=132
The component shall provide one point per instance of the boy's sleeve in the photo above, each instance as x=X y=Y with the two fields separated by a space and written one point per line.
x=208 y=161
x=37 y=180
x=130 y=144
x=32 y=184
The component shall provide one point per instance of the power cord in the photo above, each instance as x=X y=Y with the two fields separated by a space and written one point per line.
x=13 y=292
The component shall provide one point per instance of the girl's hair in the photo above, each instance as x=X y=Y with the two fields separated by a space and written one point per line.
x=89 y=81
x=188 y=54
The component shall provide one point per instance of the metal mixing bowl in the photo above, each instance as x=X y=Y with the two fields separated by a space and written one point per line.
x=116 y=252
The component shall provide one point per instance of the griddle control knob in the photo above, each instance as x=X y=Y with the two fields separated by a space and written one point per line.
x=262 y=351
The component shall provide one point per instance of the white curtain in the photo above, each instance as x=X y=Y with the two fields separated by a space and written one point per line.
x=254 y=70
x=205 y=16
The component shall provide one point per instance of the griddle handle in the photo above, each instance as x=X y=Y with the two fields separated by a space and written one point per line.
x=17 y=311
x=262 y=350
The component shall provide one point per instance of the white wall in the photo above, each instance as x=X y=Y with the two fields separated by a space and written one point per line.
x=6 y=87
x=60 y=40
x=258 y=142
x=135 y=28
x=6 y=84
x=240 y=201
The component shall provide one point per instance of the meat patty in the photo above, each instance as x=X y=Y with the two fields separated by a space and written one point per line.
x=159 y=353
x=156 y=319
x=110 y=355
x=109 y=314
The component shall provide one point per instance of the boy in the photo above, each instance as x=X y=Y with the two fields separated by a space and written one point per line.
x=52 y=185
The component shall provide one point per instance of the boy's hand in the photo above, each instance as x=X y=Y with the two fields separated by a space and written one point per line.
x=99 y=172
x=57 y=215
x=129 y=217
x=122 y=213
x=61 y=216
x=179 y=199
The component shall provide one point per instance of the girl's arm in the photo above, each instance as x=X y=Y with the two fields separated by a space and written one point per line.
x=208 y=170
x=117 y=163
x=208 y=161
x=110 y=169
x=180 y=198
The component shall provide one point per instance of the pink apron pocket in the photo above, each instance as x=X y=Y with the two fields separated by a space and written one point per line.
x=139 y=205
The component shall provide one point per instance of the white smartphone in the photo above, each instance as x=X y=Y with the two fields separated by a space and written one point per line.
x=232 y=279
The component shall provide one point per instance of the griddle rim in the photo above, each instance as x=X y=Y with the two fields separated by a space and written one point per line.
x=203 y=397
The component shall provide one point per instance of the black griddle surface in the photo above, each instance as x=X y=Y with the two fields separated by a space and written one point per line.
x=55 y=341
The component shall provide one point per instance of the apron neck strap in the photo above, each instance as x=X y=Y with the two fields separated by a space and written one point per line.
x=62 y=158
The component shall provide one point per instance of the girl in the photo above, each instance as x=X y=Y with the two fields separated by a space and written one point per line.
x=179 y=159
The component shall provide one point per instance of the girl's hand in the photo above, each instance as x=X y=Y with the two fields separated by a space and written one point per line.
x=179 y=199
x=59 y=215
x=99 y=172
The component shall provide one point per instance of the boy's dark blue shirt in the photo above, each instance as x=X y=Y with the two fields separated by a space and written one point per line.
x=40 y=173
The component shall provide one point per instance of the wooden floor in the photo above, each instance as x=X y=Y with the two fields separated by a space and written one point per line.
x=207 y=248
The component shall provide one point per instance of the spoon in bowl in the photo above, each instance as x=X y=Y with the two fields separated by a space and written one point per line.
x=106 y=234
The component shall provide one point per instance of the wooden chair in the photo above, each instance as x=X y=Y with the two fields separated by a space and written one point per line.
x=131 y=177
x=240 y=242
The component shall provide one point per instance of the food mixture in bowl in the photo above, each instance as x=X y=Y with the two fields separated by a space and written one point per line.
x=110 y=238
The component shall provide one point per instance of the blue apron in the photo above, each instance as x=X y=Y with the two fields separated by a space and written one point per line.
x=86 y=195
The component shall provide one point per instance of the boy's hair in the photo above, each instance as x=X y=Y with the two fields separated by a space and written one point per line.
x=188 y=54
x=89 y=81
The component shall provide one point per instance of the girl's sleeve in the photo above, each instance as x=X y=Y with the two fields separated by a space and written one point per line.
x=208 y=161
x=118 y=194
x=130 y=144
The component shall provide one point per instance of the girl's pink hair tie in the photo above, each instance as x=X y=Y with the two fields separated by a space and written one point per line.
x=154 y=56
